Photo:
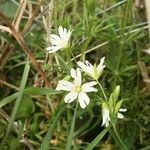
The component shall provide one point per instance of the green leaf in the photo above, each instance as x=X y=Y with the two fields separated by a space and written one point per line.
x=26 y=108
x=8 y=8
x=97 y=139
x=29 y=91
x=8 y=99
x=40 y=91
x=118 y=105
x=114 y=97
x=116 y=93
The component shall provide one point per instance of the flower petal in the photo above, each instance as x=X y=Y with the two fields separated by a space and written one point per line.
x=82 y=66
x=76 y=74
x=52 y=49
x=105 y=115
x=54 y=37
x=83 y=99
x=71 y=96
x=88 y=87
x=68 y=35
x=61 y=32
x=65 y=85
x=122 y=109
x=100 y=67
x=120 y=116
x=86 y=67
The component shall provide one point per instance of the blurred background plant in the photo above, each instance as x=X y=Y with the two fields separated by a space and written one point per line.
x=32 y=114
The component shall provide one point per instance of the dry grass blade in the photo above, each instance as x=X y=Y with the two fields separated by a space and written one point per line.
x=16 y=129
x=145 y=75
x=20 y=12
x=5 y=29
x=23 y=45
x=147 y=5
x=29 y=23
x=9 y=85
x=147 y=51
x=4 y=56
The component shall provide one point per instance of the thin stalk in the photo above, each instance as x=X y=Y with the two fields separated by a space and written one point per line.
x=71 y=134
x=123 y=146
x=68 y=55
x=50 y=103
x=105 y=97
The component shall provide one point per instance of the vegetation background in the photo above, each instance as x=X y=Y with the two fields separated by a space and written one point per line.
x=32 y=114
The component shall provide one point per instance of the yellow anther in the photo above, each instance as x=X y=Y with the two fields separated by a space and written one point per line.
x=78 y=89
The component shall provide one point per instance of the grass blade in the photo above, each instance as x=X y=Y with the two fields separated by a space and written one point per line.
x=19 y=96
x=8 y=99
x=54 y=120
x=97 y=139
x=71 y=134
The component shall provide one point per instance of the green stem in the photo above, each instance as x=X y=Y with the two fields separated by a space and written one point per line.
x=102 y=90
x=123 y=146
x=68 y=55
x=71 y=134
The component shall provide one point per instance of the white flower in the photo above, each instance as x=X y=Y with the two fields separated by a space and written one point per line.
x=106 y=114
x=76 y=89
x=61 y=41
x=91 y=70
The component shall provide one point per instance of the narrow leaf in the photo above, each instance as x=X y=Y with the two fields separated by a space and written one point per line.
x=97 y=139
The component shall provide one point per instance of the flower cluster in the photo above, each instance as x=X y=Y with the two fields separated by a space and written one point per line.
x=76 y=89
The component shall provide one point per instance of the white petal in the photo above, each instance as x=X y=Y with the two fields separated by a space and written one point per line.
x=71 y=96
x=61 y=32
x=101 y=66
x=120 y=116
x=76 y=74
x=52 y=49
x=73 y=73
x=55 y=42
x=105 y=116
x=83 y=99
x=83 y=66
x=87 y=67
x=65 y=86
x=55 y=37
x=88 y=64
x=88 y=87
x=65 y=32
x=122 y=109
x=68 y=35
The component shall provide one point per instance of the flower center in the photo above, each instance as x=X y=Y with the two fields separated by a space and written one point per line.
x=78 y=89
x=63 y=43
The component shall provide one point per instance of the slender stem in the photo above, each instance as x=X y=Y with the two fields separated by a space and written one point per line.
x=56 y=59
x=68 y=55
x=123 y=146
x=102 y=90
x=50 y=103
x=71 y=133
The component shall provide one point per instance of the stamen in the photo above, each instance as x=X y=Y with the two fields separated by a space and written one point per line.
x=78 y=89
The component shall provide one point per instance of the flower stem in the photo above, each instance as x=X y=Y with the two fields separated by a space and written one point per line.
x=71 y=133
x=68 y=55
x=123 y=146
x=102 y=90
